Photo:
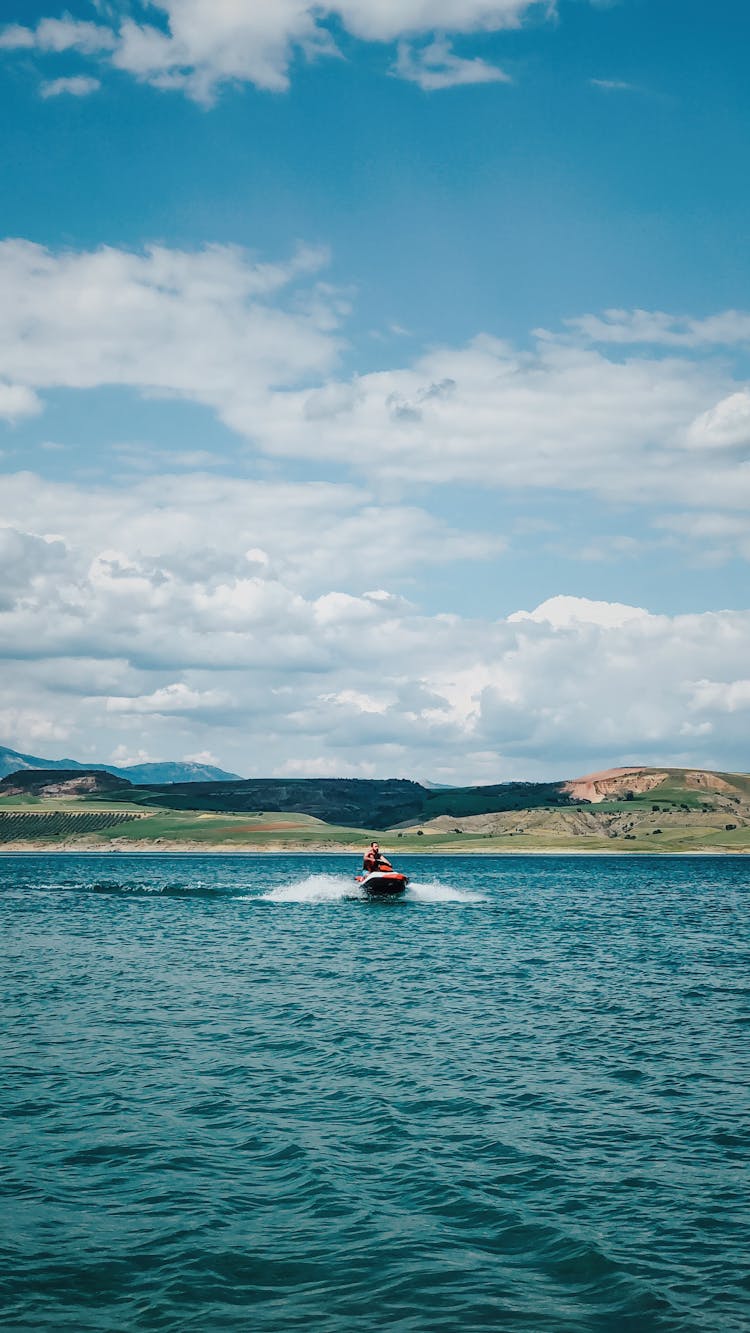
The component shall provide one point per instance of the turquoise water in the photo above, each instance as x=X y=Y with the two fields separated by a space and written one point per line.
x=236 y=1097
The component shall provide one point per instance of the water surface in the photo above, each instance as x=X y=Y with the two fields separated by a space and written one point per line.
x=236 y=1096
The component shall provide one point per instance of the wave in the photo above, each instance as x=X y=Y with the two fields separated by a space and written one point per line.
x=432 y=891
x=335 y=888
x=314 y=889
x=432 y=1113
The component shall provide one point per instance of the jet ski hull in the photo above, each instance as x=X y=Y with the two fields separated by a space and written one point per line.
x=379 y=884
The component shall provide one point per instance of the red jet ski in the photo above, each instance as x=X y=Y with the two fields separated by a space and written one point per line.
x=382 y=883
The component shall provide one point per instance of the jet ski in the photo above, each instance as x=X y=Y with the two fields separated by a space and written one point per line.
x=382 y=883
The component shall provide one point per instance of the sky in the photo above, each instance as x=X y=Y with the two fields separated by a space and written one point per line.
x=375 y=385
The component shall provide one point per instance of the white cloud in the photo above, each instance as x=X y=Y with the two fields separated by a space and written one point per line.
x=122 y=756
x=207 y=530
x=16 y=401
x=386 y=20
x=258 y=343
x=209 y=325
x=80 y=85
x=723 y=696
x=26 y=558
x=562 y=612
x=724 y=426
x=174 y=698
x=58 y=35
x=560 y=416
x=656 y=327
x=436 y=66
x=185 y=616
x=202 y=757
x=204 y=44
x=29 y=726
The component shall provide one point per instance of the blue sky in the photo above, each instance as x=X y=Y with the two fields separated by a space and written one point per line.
x=438 y=308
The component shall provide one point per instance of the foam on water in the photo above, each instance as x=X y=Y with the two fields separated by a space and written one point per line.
x=432 y=891
x=315 y=889
x=337 y=888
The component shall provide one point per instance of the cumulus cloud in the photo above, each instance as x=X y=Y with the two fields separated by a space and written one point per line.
x=258 y=343
x=563 y=612
x=559 y=416
x=213 y=325
x=724 y=426
x=183 y=618
x=24 y=559
x=468 y=701
x=437 y=66
x=206 y=530
x=202 y=44
x=625 y=687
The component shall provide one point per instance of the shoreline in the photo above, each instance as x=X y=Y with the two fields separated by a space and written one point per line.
x=217 y=850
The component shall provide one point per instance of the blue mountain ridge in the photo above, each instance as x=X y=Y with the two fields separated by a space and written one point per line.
x=140 y=774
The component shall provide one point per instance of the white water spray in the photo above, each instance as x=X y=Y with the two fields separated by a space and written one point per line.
x=335 y=888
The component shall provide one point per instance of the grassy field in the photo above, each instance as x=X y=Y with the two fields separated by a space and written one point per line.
x=686 y=812
x=91 y=826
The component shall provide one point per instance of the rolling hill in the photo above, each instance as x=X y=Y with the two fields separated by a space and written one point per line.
x=628 y=809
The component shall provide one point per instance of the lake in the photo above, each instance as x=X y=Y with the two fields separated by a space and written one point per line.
x=237 y=1097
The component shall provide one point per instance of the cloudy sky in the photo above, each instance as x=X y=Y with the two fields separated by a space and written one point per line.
x=374 y=384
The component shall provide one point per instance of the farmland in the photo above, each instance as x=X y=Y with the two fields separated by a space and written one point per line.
x=58 y=825
x=651 y=811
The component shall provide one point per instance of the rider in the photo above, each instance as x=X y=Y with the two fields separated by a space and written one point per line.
x=374 y=860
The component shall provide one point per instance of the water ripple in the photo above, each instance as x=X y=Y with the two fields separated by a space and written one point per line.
x=239 y=1096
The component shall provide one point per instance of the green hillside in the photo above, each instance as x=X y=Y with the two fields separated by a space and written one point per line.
x=355 y=802
x=646 y=810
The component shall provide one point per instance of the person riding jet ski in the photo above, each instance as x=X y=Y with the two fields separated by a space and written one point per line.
x=378 y=876
x=374 y=860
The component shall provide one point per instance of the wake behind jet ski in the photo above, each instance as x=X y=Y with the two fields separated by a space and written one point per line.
x=378 y=878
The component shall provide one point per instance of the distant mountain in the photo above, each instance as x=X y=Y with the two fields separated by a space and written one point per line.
x=11 y=761
x=146 y=774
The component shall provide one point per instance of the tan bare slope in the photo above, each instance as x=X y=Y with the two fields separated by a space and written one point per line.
x=612 y=783
x=627 y=809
